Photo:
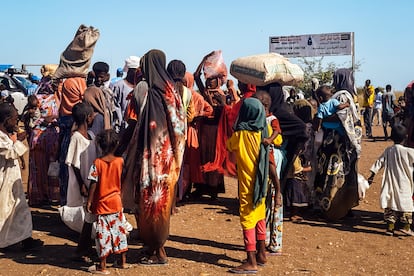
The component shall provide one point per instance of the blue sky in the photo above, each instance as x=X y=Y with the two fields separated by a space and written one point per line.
x=36 y=32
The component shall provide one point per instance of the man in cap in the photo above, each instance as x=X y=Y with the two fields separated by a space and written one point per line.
x=123 y=87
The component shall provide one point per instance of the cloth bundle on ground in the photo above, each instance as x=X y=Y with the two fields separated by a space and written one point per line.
x=76 y=58
x=263 y=69
x=214 y=67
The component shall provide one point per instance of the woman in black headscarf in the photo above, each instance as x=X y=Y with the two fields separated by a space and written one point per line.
x=336 y=181
x=155 y=154
x=293 y=128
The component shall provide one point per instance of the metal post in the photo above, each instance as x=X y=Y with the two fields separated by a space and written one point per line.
x=353 y=52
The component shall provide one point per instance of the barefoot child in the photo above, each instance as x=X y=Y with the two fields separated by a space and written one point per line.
x=104 y=200
x=252 y=159
x=397 y=183
x=81 y=154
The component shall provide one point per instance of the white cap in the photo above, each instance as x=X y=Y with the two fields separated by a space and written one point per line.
x=131 y=62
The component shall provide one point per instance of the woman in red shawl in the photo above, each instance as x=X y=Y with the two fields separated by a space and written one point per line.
x=213 y=181
x=155 y=155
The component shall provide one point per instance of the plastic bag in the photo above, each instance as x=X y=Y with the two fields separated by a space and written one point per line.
x=363 y=186
x=214 y=67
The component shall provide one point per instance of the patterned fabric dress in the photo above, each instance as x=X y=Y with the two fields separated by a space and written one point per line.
x=154 y=157
x=44 y=147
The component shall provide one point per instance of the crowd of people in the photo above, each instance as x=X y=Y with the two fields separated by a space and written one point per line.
x=141 y=143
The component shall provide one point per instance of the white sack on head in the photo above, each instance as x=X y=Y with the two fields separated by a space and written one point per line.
x=267 y=68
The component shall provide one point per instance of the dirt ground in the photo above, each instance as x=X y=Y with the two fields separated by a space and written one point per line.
x=206 y=239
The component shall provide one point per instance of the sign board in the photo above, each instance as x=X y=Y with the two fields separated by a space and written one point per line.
x=311 y=45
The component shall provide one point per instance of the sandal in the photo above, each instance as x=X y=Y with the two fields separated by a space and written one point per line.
x=296 y=219
x=238 y=270
x=152 y=262
x=258 y=263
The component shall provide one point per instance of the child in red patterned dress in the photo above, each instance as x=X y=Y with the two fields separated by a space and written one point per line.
x=105 y=201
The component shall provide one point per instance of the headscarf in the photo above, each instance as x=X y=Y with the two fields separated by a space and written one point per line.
x=290 y=124
x=176 y=69
x=72 y=92
x=95 y=97
x=252 y=117
x=155 y=155
x=343 y=79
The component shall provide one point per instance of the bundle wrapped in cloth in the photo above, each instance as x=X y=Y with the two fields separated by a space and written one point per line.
x=214 y=67
x=266 y=68
x=76 y=58
x=48 y=70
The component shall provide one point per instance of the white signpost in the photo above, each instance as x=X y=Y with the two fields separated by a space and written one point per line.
x=311 y=45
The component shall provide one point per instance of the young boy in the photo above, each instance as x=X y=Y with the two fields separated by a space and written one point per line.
x=15 y=217
x=81 y=154
x=104 y=200
x=326 y=109
x=397 y=183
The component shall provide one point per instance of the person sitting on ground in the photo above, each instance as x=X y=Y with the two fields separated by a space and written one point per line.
x=397 y=182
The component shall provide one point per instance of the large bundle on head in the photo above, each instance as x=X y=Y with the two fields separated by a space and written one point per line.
x=263 y=69
x=214 y=67
x=76 y=58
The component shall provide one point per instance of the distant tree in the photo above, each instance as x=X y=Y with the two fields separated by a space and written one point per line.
x=314 y=68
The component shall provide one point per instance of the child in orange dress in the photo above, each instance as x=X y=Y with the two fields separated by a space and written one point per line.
x=104 y=200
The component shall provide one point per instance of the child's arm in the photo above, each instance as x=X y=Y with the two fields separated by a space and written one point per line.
x=269 y=141
x=275 y=132
x=342 y=106
x=92 y=189
x=82 y=186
